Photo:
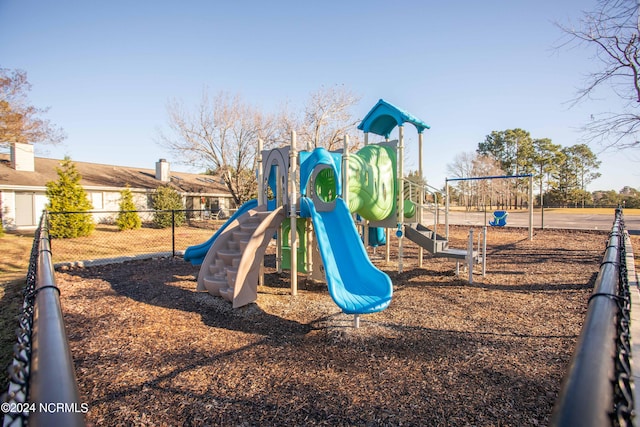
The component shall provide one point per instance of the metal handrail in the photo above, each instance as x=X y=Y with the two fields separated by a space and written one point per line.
x=43 y=390
x=53 y=388
x=588 y=392
x=427 y=189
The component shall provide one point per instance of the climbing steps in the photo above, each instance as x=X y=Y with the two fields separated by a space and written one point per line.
x=231 y=267
x=433 y=242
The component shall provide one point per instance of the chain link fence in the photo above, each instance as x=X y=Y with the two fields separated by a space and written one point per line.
x=20 y=401
x=41 y=374
x=598 y=389
x=107 y=241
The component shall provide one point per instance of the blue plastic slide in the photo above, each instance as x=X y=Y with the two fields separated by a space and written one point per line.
x=354 y=283
x=196 y=253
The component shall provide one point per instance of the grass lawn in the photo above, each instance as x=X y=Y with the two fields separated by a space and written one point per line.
x=15 y=249
x=591 y=211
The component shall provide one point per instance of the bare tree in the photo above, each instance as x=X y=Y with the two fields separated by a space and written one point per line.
x=462 y=167
x=328 y=117
x=20 y=121
x=486 y=190
x=612 y=30
x=478 y=192
x=220 y=135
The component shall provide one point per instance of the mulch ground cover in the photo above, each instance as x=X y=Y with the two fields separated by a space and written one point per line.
x=150 y=350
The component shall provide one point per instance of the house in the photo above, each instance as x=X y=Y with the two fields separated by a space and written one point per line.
x=23 y=179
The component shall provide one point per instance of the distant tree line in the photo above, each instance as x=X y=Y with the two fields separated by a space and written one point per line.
x=627 y=197
x=560 y=174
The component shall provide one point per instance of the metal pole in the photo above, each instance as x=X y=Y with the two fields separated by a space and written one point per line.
x=365 y=222
x=345 y=174
x=173 y=232
x=470 y=256
x=484 y=251
x=401 y=194
x=530 y=207
x=293 y=215
x=279 y=250
x=261 y=199
x=420 y=194
x=446 y=209
x=387 y=246
x=436 y=217
x=309 y=248
x=53 y=379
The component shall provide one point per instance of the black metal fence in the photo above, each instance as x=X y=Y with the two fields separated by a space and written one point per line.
x=597 y=389
x=184 y=228
x=42 y=388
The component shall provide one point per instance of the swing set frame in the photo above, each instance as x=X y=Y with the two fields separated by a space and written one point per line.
x=476 y=178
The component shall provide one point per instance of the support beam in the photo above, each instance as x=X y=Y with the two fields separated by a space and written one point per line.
x=293 y=192
x=530 y=207
x=470 y=256
x=420 y=193
x=400 y=195
x=261 y=199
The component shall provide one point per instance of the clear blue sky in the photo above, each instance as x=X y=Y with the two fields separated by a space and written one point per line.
x=107 y=69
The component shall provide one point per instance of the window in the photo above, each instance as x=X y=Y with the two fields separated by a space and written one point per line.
x=97 y=200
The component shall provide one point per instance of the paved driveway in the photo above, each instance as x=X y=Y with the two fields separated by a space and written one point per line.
x=551 y=220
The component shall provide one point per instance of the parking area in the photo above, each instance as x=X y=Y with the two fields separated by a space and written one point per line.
x=547 y=219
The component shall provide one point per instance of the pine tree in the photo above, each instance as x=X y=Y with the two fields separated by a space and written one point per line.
x=67 y=195
x=128 y=218
x=167 y=199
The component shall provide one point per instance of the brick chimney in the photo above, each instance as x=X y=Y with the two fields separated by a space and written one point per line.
x=162 y=171
x=22 y=158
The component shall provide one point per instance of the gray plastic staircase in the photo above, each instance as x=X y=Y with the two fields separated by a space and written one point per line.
x=433 y=242
x=231 y=268
x=220 y=274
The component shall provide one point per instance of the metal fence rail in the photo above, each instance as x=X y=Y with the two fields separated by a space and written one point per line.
x=42 y=390
x=597 y=389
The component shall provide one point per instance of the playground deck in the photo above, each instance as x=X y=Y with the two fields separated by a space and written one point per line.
x=149 y=350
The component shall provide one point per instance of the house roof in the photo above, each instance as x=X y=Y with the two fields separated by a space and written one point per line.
x=108 y=177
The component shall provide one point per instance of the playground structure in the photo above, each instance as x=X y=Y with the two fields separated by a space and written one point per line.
x=312 y=208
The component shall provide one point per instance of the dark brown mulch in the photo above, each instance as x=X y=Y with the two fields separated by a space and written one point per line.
x=150 y=350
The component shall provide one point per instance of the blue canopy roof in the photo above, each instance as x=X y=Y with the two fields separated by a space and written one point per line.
x=384 y=117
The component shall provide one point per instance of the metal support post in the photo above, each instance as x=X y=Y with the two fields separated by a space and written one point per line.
x=530 y=207
x=400 y=195
x=420 y=193
x=261 y=199
x=470 y=256
x=484 y=251
x=293 y=215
